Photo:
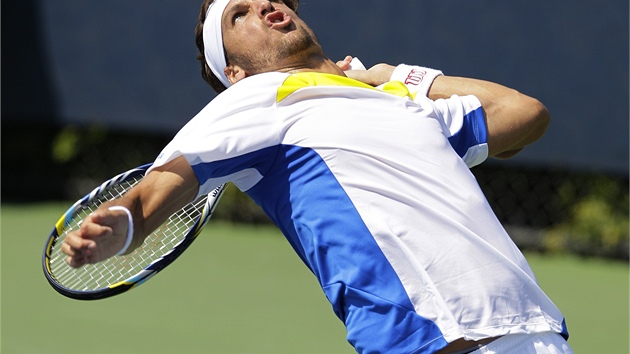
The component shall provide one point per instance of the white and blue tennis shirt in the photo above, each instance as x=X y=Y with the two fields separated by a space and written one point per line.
x=372 y=189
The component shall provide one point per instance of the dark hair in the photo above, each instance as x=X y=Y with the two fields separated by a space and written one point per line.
x=206 y=72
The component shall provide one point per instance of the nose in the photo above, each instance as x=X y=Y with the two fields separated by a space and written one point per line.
x=263 y=7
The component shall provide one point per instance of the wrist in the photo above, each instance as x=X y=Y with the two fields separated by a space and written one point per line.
x=416 y=78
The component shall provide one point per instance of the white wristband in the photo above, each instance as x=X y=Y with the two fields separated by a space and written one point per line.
x=129 y=229
x=416 y=78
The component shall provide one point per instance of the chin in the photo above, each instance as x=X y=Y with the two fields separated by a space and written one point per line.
x=298 y=42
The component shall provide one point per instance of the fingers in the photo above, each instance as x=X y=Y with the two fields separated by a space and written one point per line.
x=375 y=76
x=78 y=249
x=345 y=63
x=77 y=261
x=81 y=245
x=101 y=235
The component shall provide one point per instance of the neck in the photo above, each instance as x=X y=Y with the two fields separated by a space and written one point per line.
x=315 y=63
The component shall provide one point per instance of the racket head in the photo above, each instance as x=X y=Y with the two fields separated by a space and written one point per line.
x=119 y=274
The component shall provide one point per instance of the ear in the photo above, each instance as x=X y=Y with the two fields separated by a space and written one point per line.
x=235 y=73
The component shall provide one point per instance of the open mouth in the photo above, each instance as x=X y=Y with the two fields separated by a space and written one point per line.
x=278 y=20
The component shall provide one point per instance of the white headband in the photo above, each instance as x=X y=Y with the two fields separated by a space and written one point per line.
x=213 y=40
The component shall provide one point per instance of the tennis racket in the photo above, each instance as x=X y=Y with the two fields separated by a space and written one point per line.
x=118 y=274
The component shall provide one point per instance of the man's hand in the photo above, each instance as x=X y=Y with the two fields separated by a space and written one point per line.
x=101 y=235
x=374 y=76
x=152 y=201
x=345 y=63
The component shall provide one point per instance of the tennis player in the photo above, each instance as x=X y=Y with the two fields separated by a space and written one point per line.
x=368 y=180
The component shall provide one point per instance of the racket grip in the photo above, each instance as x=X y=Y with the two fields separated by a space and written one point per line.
x=129 y=228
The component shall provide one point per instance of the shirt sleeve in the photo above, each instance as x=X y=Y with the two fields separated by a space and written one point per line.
x=464 y=124
x=224 y=141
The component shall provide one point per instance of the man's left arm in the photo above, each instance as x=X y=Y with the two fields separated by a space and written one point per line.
x=514 y=120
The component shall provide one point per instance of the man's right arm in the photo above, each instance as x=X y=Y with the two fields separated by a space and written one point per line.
x=162 y=192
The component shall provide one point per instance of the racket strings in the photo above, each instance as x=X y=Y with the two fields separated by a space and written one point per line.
x=119 y=268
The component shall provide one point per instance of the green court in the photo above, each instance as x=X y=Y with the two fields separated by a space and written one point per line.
x=241 y=289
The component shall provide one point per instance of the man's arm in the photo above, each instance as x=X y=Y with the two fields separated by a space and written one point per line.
x=161 y=193
x=514 y=120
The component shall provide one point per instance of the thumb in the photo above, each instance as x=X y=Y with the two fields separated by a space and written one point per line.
x=345 y=63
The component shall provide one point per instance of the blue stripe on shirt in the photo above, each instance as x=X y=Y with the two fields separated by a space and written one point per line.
x=303 y=197
x=472 y=133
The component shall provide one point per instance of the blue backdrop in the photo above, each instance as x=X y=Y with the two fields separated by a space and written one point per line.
x=131 y=64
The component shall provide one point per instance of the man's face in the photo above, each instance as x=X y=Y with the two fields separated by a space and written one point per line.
x=263 y=36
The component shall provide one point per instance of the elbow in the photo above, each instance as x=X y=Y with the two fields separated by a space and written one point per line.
x=540 y=121
x=535 y=121
x=532 y=123
x=535 y=127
